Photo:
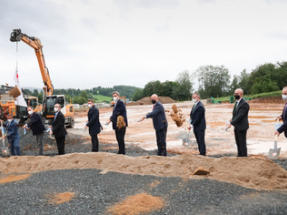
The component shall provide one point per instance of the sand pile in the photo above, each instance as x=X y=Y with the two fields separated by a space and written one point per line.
x=254 y=173
x=60 y=198
x=137 y=204
x=12 y=178
x=121 y=122
x=176 y=116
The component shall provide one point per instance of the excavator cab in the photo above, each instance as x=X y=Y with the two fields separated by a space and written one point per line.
x=49 y=104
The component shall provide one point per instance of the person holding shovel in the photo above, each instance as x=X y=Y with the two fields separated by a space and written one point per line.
x=119 y=110
x=37 y=127
x=159 y=123
x=240 y=122
x=197 y=122
x=284 y=115
x=12 y=134
x=94 y=124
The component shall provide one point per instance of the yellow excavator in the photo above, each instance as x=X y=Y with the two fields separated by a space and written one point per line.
x=49 y=100
x=8 y=105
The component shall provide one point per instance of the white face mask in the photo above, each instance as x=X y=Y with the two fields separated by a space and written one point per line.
x=89 y=105
x=9 y=120
x=194 y=100
x=30 y=112
x=284 y=97
x=115 y=98
x=56 y=110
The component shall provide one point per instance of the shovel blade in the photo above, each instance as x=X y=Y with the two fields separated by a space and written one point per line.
x=274 y=153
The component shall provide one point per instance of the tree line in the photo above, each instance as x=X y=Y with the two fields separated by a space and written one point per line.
x=216 y=81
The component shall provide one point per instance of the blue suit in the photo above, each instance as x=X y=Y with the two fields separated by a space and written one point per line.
x=197 y=117
x=160 y=125
x=120 y=110
x=13 y=136
x=94 y=127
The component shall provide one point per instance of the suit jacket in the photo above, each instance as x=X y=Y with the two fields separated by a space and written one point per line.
x=94 y=122
x=198 y=117
x=58 y=126
x=119 y=110
x=240 y=121
x=12 y=130
x=284 y=126
x=158 y=117
x=36 y=124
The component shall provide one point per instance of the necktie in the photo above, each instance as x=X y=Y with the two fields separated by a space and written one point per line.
x=234 y=110
x=191 y=112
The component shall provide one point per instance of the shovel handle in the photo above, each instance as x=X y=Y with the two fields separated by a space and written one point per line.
x=277 y=120
x=276 y=137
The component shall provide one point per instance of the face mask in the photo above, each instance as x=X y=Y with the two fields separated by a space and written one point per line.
x=30 y=112
x=89 y=105
x=194 y=100
x=153 y=101
x=9 y=120
x=115 y=98
x=236 y=97
x=56 y=110
x=284 y=97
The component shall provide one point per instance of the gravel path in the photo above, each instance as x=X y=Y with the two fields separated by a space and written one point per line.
x=95 y=193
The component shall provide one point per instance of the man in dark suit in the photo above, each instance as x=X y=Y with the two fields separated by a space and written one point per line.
x=159 y=123
x=37 y=127
x=94 y=125
x=119 y=110
x=240 y=122
x=284 y=115
x=197 y=122
x=58 y=129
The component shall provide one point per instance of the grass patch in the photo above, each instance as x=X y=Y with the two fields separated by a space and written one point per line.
x=264 y=95
x=101 y=98
x=254 y=96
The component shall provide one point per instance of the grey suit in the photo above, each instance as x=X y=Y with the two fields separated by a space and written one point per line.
x=241 y=124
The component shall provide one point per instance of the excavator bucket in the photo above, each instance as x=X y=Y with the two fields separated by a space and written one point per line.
x=16 y=35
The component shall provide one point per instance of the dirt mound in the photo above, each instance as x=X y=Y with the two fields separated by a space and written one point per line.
x=254 y=173
x=277 y=100
x=12 y=178
x=137 y=204
x=147 y=101
x=60 y=198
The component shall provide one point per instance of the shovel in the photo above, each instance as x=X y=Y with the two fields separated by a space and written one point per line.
x=4 y=149
x=274 y=153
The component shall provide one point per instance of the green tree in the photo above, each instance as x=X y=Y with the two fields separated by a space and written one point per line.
x=84 y=95
x=138 y=94
x=213 y=80
x=235 y=83
x=185 y=85
x=264 y=84
x=256 y=75
x=40 y=97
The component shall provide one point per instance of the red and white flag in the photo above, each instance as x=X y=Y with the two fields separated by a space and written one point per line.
x=20 y=99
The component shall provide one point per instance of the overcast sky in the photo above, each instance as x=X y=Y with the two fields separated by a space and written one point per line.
x=90 y=43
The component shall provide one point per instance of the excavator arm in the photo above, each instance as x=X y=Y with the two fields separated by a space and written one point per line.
x=35 y=43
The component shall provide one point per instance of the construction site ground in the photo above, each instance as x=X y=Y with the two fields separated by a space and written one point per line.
x=260 y=135
x=83 y=182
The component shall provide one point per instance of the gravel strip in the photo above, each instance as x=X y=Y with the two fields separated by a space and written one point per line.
x=95 y=193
